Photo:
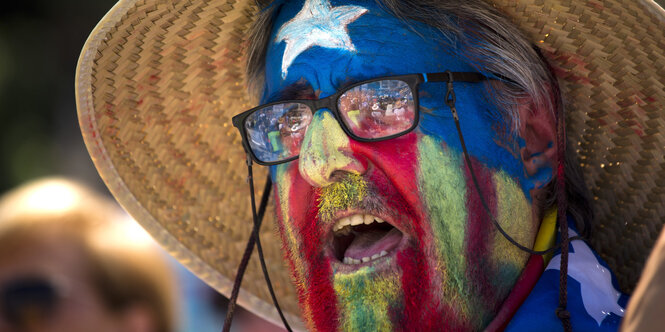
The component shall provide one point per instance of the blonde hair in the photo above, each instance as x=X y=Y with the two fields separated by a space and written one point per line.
x=124 y=264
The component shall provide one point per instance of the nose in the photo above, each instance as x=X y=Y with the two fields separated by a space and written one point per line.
x=326 y=151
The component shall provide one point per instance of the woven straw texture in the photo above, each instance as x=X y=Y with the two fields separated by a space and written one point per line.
x=158 y=82
x=609 y=57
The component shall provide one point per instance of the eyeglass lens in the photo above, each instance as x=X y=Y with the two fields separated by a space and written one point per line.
x=378 y=109
x=25 y=300
x=372 y=110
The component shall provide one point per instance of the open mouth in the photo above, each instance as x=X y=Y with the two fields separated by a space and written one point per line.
x=362 y=238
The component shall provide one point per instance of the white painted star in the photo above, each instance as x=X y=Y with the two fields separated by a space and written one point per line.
x=317 y=24
x=599 y=296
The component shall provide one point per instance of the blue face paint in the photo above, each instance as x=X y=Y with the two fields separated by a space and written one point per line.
x=380 y=45
x=376 y=44
x=485 y=132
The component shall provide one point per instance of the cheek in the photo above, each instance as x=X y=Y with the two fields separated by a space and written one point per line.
x=443 y=190
x=487 y=135
x=480 y=265
x=291 y=211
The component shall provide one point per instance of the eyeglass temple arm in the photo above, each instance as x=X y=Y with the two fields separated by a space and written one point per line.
x=470 y=77
x=455 y=76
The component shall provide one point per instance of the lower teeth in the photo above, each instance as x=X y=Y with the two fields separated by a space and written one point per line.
x=353 y=261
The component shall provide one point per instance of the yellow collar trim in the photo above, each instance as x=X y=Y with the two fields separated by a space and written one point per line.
x=546 y=234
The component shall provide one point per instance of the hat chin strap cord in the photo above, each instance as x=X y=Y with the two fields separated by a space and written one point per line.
x=562 y=313
x=253 y=239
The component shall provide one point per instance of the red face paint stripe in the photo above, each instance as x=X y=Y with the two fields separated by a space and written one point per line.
x=321 y=299
x=397 y=159
x=287 y=254
x=478 y=232
x=316 y=296
x=290 y=232
x=422 y=310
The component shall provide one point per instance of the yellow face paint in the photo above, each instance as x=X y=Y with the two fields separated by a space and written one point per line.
x=343 y=195
x=513 y=209
x=324 y=142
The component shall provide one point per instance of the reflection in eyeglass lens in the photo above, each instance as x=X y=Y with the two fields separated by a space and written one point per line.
x=378 y=109
x=276 y=132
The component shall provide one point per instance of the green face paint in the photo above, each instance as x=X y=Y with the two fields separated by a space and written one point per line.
x=367 y=300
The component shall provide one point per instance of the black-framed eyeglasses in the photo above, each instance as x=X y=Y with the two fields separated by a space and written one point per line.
x=368 y=111
x=28 y=299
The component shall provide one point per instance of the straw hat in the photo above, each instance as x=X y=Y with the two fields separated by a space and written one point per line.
x=158 y=82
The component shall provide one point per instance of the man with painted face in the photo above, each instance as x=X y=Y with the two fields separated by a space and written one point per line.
x=387 y=223
x=415 y=149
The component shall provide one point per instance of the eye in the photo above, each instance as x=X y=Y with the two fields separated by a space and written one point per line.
x=297 y=118
x=298 y=90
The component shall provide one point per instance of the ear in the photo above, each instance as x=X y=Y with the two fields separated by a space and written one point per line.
x=538 y=132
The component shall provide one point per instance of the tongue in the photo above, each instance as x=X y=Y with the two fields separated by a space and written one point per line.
x=369 y=243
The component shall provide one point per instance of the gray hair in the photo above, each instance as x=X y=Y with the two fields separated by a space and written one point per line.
x=489 y=42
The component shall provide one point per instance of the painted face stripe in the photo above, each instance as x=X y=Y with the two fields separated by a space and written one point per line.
x=286 y=173
x=320 y=294
x=397 y=160
x=479 y=227
x=514 y=214
x=367 y=301
x=293 y=185
x=422 y=312
x=296 y=269
x=444 y=187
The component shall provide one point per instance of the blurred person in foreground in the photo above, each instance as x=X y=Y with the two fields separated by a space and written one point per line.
x=645 y=312
x=70 y=261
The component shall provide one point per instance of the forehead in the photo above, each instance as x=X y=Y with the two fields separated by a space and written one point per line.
x=328 y=44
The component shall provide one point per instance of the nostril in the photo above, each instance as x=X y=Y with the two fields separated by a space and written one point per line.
x=338 y=175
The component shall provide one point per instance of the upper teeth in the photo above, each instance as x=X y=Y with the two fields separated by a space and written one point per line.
x=349 y=260
x=356 y=219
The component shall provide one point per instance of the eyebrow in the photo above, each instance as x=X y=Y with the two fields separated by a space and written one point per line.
x=297 y=90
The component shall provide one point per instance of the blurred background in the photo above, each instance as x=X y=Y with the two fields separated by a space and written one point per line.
x=40 y=42
x=39 y=46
